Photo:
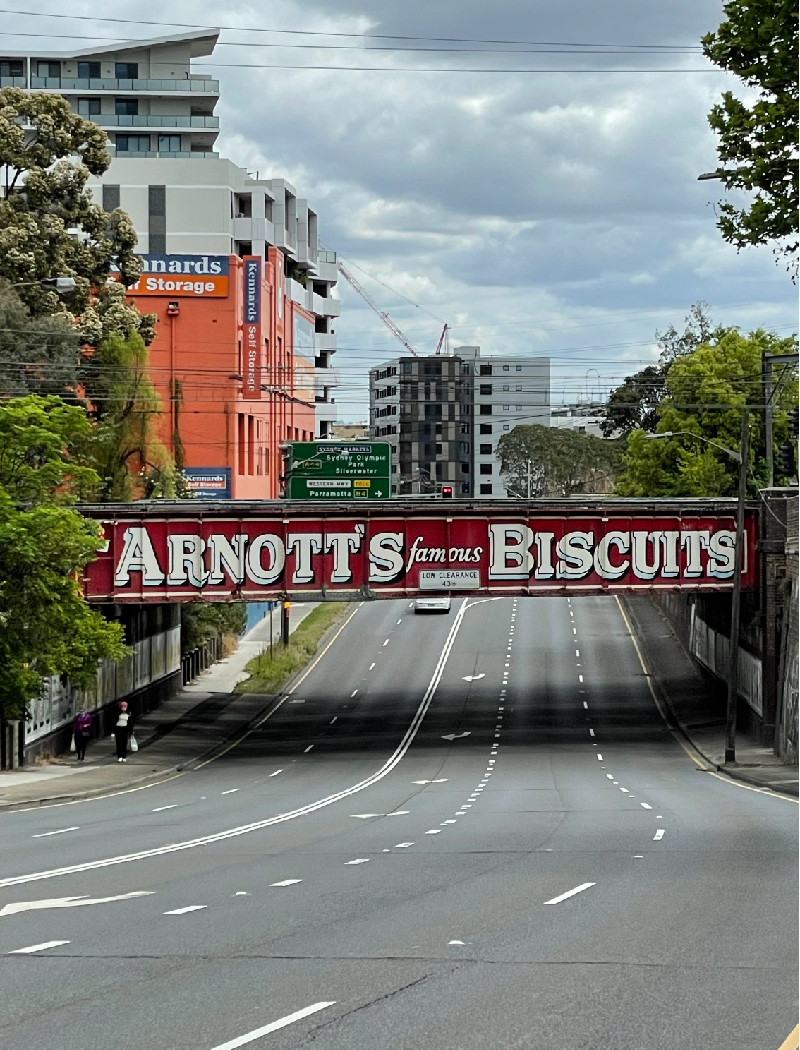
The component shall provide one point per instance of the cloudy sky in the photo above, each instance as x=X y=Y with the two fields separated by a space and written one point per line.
x=542 y=204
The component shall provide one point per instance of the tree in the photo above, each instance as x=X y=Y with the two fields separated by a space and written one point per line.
x=49 y=225
x=758 y=148
x=38 y=355
x=558 y=462
x=705 y=392
x=47 y=627
x=634 y=404
x=201 y=621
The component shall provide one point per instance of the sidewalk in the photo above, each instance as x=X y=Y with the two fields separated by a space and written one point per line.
x=194 y=723
x=697 y=711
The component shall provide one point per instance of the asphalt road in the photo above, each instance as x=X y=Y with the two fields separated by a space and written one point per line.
x=459 y=832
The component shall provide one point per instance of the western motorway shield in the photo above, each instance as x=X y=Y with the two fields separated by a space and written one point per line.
x=339 y=470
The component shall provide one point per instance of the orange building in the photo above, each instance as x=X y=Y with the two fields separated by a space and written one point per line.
x=233 y=364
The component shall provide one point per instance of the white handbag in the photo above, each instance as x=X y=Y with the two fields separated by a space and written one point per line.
x=133 y=743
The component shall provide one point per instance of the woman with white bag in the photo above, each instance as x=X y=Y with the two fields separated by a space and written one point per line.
x=122 y=731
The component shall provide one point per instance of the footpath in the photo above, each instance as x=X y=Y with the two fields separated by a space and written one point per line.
x=181 y=732
x=698 y=710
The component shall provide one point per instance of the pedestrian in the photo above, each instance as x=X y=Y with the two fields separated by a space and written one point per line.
x=122 y=731
x=81 y=728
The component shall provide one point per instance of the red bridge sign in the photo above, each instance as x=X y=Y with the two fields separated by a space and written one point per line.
x=159 y=552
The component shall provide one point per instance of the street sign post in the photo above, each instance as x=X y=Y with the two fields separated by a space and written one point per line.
x=339 y=470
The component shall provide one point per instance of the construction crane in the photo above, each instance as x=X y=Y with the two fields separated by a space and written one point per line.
x=381 y=313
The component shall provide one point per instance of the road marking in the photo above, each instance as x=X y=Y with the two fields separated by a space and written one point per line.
x=466 y=805
x=386 y=642
x=353 y=693
x=659 y=835
x=283 y=1022
x=461 y=812
x=396 y=813
x=371 y=666
x=403 y=845
x=433 y=831
x=69 y=902
x=571 y=893
x=586 y=706
x=286 y=882
x=644 y=805
x=455 y=736
x=625 y=790
x=37 y=948
x=230 y=791
x=610 y=776
x=185 y=911
x=448 y=822
x=577 y=652
x=599 y=757
x=580 y=677
x=312 y=807
x=400 y=620
x=473 y=677
x=240 y=893
x=276 y=772
x=61 y=831
x=442 y=780
x=591 y=732
x=308 y=749
x=160 y=809
x=358 y=860
x=455 y=942
x=792 y=1040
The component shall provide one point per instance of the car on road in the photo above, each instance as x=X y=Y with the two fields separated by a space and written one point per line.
x=435 y=603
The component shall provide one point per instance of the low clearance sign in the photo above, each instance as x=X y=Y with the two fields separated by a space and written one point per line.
x=393 y=555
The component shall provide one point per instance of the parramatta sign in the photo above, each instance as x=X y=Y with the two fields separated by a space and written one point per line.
x=219 y=551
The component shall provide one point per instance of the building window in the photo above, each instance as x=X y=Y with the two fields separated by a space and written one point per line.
x=485 y=388
x=486 y=448
x=463 y=446
x=110 y=198
x=133 y=143
x=464 y=488
x=519 y=368
x=486 y=428
x=126 y=70
x=465 y=428
x=157 y=219
x=506 y=408
x=518 y=388
x=438 y=448
x=88 y=70
x=51 y=70
x=486 y=468
x=88 y=107
x=169 y=143
x=12 y=68
x=486 y=410
x=484 y=370
x=505 y=368
x=486 y=490
x=240 y=432
x=126 y=107
x=505 y=426
x=465 y=468
x=506 y=387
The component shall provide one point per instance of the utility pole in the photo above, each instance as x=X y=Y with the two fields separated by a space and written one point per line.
x=529 y=479
x=736 y=599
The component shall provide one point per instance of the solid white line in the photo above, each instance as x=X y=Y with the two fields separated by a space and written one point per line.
x=658 y=835
x=230 y=791
x=644 y=805
x=286 y=882
x=185 y=911
x=37 y=948
x=160 y=809
x=275 y=1026
x=312 y=807
x=571 y=893
x=61 y=831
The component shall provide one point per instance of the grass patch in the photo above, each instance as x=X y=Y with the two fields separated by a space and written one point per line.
x=270 y=675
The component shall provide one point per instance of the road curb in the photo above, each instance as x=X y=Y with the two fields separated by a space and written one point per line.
x=676 y=723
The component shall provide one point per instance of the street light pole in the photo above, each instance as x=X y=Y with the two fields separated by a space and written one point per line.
x=736 y=599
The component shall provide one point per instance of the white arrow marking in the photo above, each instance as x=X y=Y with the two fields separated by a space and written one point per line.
x=286 y=882
x=68 y=902
x=61 y=831
x=570 y=893
x=473 y=677
x=658 y=835
x=455 y=736
x=37 y=948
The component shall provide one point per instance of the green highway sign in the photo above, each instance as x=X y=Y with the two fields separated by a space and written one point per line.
x=339 y=470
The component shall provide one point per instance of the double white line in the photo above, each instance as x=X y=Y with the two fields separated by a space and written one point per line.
x=245 y=829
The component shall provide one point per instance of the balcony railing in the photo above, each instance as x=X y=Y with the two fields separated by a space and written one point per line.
x=109 y=84
x=145 y=120
x=183 y=154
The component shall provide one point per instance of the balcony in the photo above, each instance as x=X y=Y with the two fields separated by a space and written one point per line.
x=183 y=155
x=145 y=120
x=158 y=87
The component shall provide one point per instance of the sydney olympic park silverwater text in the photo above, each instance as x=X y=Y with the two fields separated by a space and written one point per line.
x=391 y=555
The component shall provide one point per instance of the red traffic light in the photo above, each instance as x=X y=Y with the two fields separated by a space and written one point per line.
x=447 y=491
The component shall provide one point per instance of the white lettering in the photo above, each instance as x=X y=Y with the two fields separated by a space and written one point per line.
x=277 y=559
x=693 y=542
x=544 y=556
x=342 y=544
x=574 y=552
x=670 y=541
x=307 y=543
x=510 y=557
x=227 y=554
x=721 y=549
x=642 y=568
x=385 y=557
x=138 y=556
x=602 y=559
x=186 y=560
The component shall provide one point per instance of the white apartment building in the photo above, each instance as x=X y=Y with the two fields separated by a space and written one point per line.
x=183 y=198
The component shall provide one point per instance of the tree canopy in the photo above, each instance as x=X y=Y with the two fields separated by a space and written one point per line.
x=705 y=393
x=758 y=141
x=559 y=462
x=47 y=627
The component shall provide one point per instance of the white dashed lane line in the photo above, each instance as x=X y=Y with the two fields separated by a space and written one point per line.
x=185 y=911
x=286 y=882
x=659 y=835
x=160 y=809
x=570 y=893
x=61 y=831
x=37 y=948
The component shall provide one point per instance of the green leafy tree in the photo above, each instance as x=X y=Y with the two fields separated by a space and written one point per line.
x=47 y=627
x=38 y=355
x=700 y=386
x=558 y=462
x=201 y=621
x=758 y=148
x=49 y=224
x=634 y=404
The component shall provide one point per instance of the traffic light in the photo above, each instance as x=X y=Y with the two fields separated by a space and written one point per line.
x=786 y=459
x=447 y=491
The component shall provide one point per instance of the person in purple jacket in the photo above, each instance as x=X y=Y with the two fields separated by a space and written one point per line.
x=81 y=728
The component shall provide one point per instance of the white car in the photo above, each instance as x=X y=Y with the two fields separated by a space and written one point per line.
x=437 y=603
